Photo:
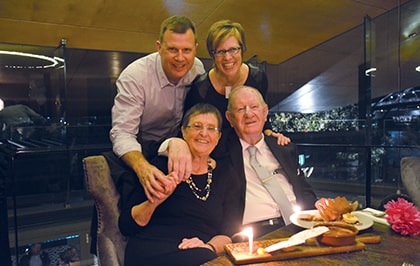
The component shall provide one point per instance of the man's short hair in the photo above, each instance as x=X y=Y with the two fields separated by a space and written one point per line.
x=244 y=87
x=177 y=24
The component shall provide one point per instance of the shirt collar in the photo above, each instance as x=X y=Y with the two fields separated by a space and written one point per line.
x=163 y=79
x=259 y=144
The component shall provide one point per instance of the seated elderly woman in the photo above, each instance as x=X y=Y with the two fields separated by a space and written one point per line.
x=194 y=222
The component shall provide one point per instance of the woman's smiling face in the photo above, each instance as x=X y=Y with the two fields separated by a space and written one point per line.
x=229 y=64
x=202 y=134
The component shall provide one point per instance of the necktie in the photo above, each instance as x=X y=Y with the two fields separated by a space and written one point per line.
x=272 y=186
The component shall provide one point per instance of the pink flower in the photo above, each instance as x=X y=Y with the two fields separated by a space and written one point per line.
x=403 y=216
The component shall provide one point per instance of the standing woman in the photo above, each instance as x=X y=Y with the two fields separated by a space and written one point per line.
x=226 y=45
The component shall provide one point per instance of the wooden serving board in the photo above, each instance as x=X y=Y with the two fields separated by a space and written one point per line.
x=239 y=252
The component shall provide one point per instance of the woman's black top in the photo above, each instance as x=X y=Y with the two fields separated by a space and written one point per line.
x=182 y=215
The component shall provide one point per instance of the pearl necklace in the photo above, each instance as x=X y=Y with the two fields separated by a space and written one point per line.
x=206 y=189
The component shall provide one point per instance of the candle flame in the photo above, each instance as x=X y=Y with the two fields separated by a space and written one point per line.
x=247 y=231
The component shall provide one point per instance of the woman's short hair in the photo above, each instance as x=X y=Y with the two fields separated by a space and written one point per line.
x=202 y=108
x=223 y=29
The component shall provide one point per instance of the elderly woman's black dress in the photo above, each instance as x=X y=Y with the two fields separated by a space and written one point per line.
x=182 y=215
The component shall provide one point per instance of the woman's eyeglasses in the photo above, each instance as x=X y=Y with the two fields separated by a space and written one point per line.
x=222 y=53
x=199 y=128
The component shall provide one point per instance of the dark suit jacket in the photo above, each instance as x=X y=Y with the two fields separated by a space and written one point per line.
x=287 y=157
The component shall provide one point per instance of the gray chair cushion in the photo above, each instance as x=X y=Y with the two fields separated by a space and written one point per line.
x=110 y=243
x=410 y=175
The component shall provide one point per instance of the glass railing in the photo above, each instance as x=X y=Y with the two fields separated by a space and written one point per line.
x=343 y=170
x=348 y=162
x=45 y=186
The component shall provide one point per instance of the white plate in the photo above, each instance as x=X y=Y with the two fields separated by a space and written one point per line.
x=364 y=220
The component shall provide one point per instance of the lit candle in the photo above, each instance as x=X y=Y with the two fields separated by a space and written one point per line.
x=296 y=208
x=248 y=232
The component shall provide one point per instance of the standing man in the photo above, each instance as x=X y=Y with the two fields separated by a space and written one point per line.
x=35 y=257
x=148 y=108
x=247 y=114
x=149 y=104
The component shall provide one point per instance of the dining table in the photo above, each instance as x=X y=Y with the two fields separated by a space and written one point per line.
x=393 y=249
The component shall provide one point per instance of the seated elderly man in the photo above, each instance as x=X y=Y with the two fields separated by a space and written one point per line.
x=271 y=184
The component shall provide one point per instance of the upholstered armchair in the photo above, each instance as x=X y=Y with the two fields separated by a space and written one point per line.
x=110 y=242
x=410 y=175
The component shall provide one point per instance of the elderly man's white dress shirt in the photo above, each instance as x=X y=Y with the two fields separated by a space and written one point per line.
x=259 y=205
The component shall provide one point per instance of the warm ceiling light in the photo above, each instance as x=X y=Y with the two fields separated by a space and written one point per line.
x=418 y=68
x=49 y=61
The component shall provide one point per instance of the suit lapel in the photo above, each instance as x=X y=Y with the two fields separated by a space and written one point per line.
x=236 y=155
x=283 y=157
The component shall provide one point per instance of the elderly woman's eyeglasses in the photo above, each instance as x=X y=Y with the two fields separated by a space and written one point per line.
x=222 y=53
x=199 y=128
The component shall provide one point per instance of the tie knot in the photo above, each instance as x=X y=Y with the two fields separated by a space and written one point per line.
x=252 y=151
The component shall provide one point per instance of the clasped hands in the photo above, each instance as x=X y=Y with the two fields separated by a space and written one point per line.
x=156 y=184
